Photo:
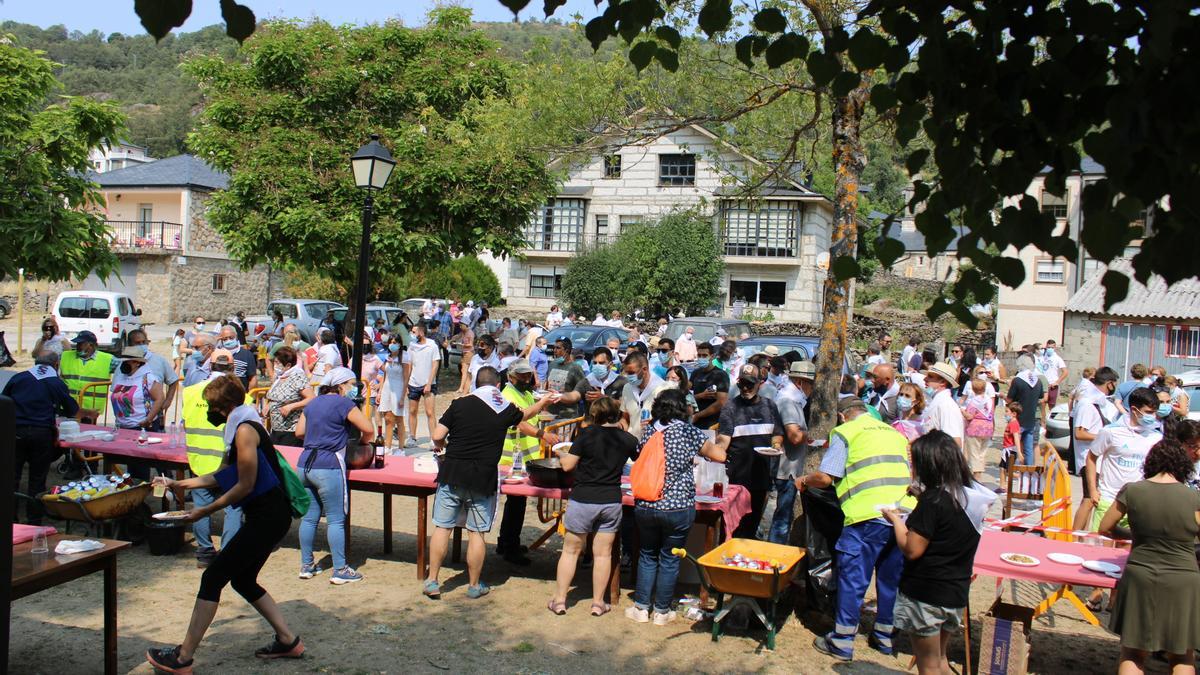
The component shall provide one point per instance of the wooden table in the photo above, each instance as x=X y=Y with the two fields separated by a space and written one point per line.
x=37 y=573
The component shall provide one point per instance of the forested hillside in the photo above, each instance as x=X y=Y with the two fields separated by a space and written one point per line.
x=160 y=100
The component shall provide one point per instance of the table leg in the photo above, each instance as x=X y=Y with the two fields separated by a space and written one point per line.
x=967 y=637
x=614 y=576
x=456 y=546
x=1054 y=597
x=422 y=539
x=1069 y=594
x=110 y=616
x=387 y=523
x=346 y=528
x=710 y=538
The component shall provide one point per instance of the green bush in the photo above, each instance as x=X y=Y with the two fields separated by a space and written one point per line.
x=465 y=278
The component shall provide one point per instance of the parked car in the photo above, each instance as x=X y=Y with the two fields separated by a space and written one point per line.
x=1058 y=428
x=108 y=314
x=587 y=338
x=706 y=327
x=5 y=308
x=306 y=314
x=375 y=311
x=805 y=345
x=413 y=305
x=1190 y=381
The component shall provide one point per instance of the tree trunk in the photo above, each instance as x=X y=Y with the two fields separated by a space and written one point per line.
x=848 y=161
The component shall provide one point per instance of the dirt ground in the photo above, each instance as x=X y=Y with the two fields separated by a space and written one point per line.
x=385 y=625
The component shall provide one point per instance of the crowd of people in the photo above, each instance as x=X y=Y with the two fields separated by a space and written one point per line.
x=904 y=473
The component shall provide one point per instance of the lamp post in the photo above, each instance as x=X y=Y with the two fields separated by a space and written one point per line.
x=372 y=165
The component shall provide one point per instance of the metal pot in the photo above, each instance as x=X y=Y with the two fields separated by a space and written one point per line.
x=548 y=473
x=359 y=455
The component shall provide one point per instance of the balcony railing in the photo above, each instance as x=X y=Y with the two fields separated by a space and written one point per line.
x=563 y=241
x=759 y=249
x=150 y=235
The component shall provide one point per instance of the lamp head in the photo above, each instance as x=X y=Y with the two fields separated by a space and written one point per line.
x=372 y=164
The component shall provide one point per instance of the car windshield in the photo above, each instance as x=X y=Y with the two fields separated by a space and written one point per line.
x=83 y=308
x=287 y=309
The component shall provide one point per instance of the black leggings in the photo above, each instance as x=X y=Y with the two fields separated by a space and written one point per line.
x=267 y=519
x=748 y=527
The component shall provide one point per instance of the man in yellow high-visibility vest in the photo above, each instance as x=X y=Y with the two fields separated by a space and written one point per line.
x=87 y=365
x=205 y=452
x=525 y=438
x=867 y=463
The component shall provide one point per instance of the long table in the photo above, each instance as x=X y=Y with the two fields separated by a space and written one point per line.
x=33 y=573
x=995 y=543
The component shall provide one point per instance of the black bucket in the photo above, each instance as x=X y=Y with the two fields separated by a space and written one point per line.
x=165 y=537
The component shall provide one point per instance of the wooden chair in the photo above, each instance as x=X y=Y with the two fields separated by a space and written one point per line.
x=552 y=510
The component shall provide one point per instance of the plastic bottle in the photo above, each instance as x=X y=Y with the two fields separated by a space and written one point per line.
x=172 y=436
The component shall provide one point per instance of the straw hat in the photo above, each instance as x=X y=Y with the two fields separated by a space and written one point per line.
x=771 y=350
x=945 y=371
x=804 y=369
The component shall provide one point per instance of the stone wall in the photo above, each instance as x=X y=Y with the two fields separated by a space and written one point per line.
x=202 y=238
x=1080 y=346
x=192 y=292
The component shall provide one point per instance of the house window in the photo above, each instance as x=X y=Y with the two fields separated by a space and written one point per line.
x=757 y=293
x=1050 y=271
x=612 y=166
x=627 y=223
x=767 y=229
x=558 y=226
x=1183 y=342
x=545 y=282
x=676 y=170
x=1054 y=205
x=218 y=283
x=601 y=229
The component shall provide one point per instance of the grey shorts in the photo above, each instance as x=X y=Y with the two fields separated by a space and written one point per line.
x=925 y=620
x=583 y=518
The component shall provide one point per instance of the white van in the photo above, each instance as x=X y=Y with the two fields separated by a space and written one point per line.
x=109 y=315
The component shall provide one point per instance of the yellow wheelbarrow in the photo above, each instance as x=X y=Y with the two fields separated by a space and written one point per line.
x=746 y=585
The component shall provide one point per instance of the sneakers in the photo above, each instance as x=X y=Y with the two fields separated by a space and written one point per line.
x=346 y=575
x=824 y=645
x=309 y=571
x=476 y=592
x=662 y=619
x=279 y=650
x=633 y=613
x=410 y=442
x=432 y=589
x=874 y=642
x=166 y=660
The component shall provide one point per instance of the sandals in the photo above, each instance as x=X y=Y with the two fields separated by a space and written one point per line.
x=601 y=608
x=557 y=608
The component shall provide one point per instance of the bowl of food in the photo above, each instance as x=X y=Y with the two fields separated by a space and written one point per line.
x=548 y=473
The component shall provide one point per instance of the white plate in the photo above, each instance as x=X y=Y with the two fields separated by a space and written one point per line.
x=1102 y=567
x=768 y=451
x=1020 y=563
x=170 y=515
x=513 y=480
x=708 y=499
x=1065 y=558
x=561 y=447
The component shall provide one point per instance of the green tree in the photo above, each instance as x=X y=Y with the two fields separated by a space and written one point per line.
x=285 y=118
x=465 y=278
x=661 y=267
x=47 y=221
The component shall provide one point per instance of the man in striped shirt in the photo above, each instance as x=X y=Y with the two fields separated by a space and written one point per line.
x=750 y=421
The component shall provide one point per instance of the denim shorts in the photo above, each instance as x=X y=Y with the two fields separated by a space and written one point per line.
x=415 y=393
x=451 y=503
x=583 y=518
x=925 y=620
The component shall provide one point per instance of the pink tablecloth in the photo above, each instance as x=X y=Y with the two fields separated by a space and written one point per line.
x=126 y=445
x=994 y=543
x=24 y=533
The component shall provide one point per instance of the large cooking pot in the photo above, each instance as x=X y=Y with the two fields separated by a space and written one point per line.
x=359 y=455
x=548 y=473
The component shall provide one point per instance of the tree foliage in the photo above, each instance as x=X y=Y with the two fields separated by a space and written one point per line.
x=285 y=118
x=46 y=219
x=658 y=268
x=465 y=278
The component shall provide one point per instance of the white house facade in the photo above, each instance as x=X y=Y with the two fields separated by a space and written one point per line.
x=776 y=247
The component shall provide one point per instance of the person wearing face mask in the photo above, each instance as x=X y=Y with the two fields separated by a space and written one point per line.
x=641 y=387
x=245 y=364
x=486 y=354
x=1118 y=452
x=1051 y=364
x=677 y=378
x=888 y=389
x=663 y=356
x=602 y=380
x=51 y=339
x=393 y=396
x=1026 y=389
x=525 y=439
x=421 y=371
x=749 y=421
x=564 y=375
x=910 y=410
x=867 y=463
x=465 y=339
x=85 y=365
x=942 y=411
x=763 y=363
x=325 y=427
x=1093 y=411
x=287 y=397
x=162 y=368
x=203 y=346
x=790 y=401
x=136 y=394
x=685 y=349
x=710 y=384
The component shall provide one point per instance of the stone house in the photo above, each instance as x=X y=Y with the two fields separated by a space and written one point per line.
x=1156 y=324
x=776 y=246
x=173 y=264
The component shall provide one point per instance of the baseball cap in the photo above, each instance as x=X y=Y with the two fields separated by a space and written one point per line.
x=850 y=403
x=84 y=336
x=748 y=374
x=221 y=356
x=520 y=367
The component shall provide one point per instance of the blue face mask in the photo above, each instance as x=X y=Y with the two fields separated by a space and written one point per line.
x=929 y=391
x=1164 y=409
x=1147 y=421
x=702 y=363
x=230 y=344
x=599 y=370
x=353 y=393
x=1048 y=352
x=393 y=348
x=904 y=403
x=635 y=380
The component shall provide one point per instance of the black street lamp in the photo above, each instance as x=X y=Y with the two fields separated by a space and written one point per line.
x=372 y=165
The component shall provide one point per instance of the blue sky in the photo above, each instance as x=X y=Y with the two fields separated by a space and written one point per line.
x=117 y=16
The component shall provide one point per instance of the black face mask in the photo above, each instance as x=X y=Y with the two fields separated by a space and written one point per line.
x=128 y=368
x=217 y=418
x=523 y=385
x=480 y=351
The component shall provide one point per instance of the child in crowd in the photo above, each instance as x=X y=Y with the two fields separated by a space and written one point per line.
x=938 y=540
x=1009 y=451
x=179 y=347
x=979 y=412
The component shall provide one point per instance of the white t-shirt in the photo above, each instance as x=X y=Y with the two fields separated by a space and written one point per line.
x=944 y=414
x=1090 y=418
x=1051 y=366
x=875 y=359
x=328 y=357
x=637 y=402
x=615 y=323
x=1120 y=453
x=554 y=320
x=422 y=356
x=906 y=357
x=478 y=362
x=130 y=395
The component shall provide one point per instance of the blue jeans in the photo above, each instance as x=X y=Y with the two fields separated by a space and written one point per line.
x=1029 y=439
x=658 y=568
x=327 y=490
x=202 y=529
x=862 y=549
x=785 y=499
